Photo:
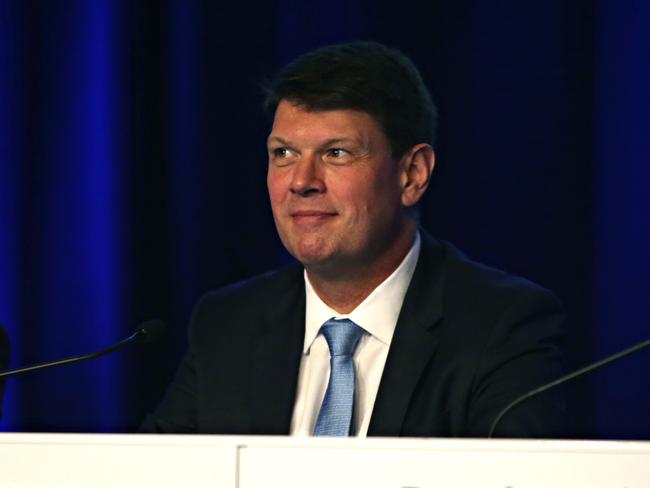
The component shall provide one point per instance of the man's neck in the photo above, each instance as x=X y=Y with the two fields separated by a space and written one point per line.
x=343 y=292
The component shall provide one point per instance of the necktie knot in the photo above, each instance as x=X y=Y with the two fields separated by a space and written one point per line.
x=342 y=336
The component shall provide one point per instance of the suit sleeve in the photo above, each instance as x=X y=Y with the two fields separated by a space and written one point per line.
x=177 y=412
x=524 y=351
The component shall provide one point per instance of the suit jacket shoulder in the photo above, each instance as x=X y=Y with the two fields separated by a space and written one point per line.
x=241 y=304
x=240 y=372
x=469 y=340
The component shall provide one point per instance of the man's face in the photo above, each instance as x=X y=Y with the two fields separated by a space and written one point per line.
x=335 y=189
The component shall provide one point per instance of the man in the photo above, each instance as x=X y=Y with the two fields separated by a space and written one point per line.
x=429 y=342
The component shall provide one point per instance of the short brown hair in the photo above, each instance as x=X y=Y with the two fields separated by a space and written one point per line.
x=364 y=76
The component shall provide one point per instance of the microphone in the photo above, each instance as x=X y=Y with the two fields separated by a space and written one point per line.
x=149 y=331
x=565 y=379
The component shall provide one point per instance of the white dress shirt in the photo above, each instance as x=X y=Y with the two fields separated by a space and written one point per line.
x=377 y=315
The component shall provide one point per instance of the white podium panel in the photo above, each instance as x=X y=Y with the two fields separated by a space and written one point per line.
x=162 y=461
x=448 y=463
x=102 y=461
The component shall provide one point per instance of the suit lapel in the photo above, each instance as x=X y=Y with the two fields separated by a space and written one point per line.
x=276 y=357
x=414 y=342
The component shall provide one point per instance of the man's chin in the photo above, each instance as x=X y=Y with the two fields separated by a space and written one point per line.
x=311 y=252
x=314 y=261
x=329 y=267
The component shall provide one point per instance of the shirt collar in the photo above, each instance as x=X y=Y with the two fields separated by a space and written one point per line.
x=378 y=312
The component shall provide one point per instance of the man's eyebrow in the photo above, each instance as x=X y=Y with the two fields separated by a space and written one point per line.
x=327 y=142
x=273 y=138
x=339 y=140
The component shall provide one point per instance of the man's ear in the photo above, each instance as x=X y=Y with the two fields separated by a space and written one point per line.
x=417 y=166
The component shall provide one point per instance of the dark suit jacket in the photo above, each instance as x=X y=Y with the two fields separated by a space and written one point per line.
x=468 y=340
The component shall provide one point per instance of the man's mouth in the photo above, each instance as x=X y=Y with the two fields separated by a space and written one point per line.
x=311 y=216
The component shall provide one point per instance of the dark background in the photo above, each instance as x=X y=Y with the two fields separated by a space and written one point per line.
x=132 y=176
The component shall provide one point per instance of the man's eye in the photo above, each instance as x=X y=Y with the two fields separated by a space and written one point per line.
x=281 y=156
x=281 y=152
x=337 y=152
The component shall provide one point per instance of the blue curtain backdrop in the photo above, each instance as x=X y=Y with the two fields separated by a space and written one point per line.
x=132 y=176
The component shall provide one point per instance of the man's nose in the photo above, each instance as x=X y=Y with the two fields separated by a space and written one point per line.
x=307 y=178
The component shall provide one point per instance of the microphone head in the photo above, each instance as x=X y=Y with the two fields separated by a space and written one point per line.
x=150 y=331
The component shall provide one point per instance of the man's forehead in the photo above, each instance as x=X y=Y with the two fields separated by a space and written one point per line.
x=293 y=121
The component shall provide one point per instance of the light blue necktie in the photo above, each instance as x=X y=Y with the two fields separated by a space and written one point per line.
x=335 y=416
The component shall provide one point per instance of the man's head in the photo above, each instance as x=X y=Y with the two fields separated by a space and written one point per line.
x=349 y=157
x=363 y=76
